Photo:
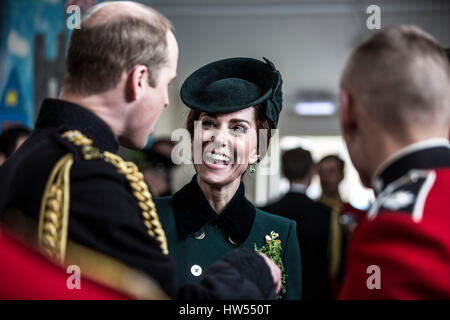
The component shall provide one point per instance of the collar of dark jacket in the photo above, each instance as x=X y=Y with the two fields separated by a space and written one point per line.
x=426 y=158
x=192 y=211
x=65 y=116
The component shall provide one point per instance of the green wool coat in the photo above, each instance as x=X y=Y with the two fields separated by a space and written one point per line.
x=197 y=236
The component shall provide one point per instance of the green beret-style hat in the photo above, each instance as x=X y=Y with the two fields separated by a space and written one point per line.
x=233 y=84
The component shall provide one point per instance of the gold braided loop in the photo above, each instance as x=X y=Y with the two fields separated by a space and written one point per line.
x=135 y=180
x=144 y=199
x=54 y=211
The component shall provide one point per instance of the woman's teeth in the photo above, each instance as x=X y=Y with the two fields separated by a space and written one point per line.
x=217 y=157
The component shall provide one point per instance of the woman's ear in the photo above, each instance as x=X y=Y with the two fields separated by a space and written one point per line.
x=254 y=157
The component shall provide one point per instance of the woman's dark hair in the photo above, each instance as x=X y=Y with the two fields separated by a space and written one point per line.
x=262 y=122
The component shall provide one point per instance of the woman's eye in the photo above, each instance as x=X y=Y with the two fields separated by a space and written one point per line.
x=208 y=123
x=238 y=130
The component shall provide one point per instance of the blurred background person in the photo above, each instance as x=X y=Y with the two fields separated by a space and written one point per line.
x=343 y=216
x=157 y=167
x=331 y=171
x=10 y=140
x=313 y=221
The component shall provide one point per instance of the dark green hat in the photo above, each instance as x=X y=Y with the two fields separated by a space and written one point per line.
x=233 y=84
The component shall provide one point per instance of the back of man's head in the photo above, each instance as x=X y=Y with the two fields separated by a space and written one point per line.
x=297 y=164
x=401 y=76
x=114 y=37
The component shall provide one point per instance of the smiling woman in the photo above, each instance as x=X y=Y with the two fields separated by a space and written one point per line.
x=231 y=101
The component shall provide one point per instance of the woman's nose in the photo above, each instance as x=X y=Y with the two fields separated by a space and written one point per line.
x=219 y=139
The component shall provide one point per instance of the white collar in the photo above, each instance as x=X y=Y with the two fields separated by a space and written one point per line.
x=298 y=188
x=377 y=184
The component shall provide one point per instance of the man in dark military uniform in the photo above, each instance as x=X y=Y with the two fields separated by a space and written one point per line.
x=313 y=223
x=395 y=115
x=69 y=180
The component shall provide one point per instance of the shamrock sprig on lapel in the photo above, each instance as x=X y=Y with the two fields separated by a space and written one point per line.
x=272 y=236
x=272 y=249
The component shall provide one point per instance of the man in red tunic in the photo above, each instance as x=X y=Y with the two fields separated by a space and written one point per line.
x=395 y=115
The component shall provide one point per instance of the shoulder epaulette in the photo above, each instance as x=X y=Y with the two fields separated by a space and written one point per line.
x=54 y=214
x=54 y=211
x=407 y=195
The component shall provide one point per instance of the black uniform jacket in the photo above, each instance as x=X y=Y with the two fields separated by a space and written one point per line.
x=104 y=215
x=313 y=220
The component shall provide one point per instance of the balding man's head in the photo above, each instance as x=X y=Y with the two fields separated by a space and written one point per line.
x=401 y=76
x=114 y=37
x=110 y=11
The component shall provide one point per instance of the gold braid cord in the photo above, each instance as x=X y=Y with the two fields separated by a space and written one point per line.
x=144 y=199
x=135 y=180
x=54 y=212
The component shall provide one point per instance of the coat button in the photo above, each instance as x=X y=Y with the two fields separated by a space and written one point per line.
x=232 y=241
x=199 y=235
x=196 y=270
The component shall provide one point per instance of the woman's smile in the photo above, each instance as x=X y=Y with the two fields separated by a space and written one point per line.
x=216 y=161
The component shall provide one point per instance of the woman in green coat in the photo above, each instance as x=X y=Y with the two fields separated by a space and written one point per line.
x=232 y=100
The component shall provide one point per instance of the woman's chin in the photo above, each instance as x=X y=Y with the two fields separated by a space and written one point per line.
x=216 y=174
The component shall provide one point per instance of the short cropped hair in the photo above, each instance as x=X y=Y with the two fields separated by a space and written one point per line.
x=402 y=77
x=339 y=161
x=297 y=163
x=105 y=47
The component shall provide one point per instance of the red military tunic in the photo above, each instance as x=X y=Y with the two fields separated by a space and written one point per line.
x=25 y=274
x=402 y=249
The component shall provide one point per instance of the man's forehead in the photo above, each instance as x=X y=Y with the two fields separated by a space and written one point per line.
x=329 y=163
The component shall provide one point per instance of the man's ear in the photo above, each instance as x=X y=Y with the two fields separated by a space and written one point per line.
x=137 y=82
x=347 y=113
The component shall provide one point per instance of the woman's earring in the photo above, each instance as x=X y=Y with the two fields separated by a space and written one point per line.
x=252 y=169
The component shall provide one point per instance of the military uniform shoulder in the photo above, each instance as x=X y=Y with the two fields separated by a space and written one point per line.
x=105 y=166
x=406 y=195
x=87 y=157
x=80 y=145
x=87 y=160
